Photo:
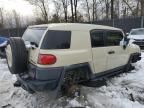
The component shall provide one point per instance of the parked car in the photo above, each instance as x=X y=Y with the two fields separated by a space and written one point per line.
x=59 y=57
x=3 y=43
x=137 y=37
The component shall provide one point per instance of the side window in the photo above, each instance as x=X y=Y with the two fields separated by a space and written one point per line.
x=114 y=38
x=55 y=39
x=97 y=38
x=34 y=34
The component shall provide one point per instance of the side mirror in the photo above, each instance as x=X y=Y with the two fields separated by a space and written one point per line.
x=127 y=34
x=125 y=42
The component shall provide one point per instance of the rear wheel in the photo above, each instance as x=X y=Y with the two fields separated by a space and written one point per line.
x=71 y=90
x=72 y=81
x=16 y=55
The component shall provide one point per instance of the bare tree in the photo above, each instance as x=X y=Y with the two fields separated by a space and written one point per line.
x=75 y=8
x=17 y=20
x=72 y=11
x=43 y=6
x=112 y=9
x=137 y=8
x=107 y=6
x=57 y=5
x=94 y=10
x=74 y=4
x=142 y=7
x=65 y=4
x=9 y=20
x=117 y=8
x=127 y=3
x=1 y=17
x=88 y=10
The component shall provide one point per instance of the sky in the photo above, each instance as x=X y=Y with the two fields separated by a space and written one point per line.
x=21 y=6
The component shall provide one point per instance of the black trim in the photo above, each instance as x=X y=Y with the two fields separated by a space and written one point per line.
x=99 y=79
x=104 y=36
x=57 y=39
x=107 y=35
x=108 y=73
x=135 y=57
x=93 y=76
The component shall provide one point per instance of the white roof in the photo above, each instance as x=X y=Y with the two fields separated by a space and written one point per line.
x=75 y=26
x=138 y=29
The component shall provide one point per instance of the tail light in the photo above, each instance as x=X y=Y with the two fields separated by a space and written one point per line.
x=46 y=59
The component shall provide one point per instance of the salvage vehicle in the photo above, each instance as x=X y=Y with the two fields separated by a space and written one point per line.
x=59 y=57
x=137 y=37
x=3 y=43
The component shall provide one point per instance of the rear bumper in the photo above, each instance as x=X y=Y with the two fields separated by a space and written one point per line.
x=41 y=79
x=36 y=85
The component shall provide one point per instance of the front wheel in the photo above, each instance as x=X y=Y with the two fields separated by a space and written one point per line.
x=129 y=66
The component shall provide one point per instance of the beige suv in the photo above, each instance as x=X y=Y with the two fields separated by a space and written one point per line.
x=57 y=57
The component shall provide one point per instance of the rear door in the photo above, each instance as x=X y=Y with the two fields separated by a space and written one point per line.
x=98 y=50
x=116 y=55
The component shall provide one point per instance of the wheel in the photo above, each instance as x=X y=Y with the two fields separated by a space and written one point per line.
x=71 y=90
x=74 y=91
x=16 y=55
x=129 y=66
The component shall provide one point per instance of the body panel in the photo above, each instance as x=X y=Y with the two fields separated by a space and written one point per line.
x=99 y=59
x=119 y=58
x=79 y=52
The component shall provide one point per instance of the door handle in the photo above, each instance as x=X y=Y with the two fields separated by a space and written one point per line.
x=111 y=52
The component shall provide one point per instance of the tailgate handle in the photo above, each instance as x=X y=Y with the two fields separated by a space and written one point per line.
x=111 y=52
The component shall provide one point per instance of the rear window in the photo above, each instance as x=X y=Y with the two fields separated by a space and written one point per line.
x=55 y=39
x=34 y=34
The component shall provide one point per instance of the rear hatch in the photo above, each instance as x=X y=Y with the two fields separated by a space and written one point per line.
x=33 y=36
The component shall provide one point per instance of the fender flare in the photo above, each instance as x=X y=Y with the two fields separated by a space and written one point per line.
x=135 y=57
x=69 y=68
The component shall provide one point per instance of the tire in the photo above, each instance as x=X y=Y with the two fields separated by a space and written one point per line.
x=16 y=55
x=129 y=66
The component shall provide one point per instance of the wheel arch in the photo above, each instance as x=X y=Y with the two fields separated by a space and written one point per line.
x=66 y=69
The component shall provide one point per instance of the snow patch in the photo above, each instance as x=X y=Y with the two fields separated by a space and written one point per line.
x=124 y=91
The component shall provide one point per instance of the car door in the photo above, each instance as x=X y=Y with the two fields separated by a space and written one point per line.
x=116 y=55
x=99 y=53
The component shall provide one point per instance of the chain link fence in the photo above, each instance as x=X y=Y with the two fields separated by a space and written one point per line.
x=125 y=23
x=12 y=32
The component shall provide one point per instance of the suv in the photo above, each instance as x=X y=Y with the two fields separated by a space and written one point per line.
x=137 y=37
x=58 y=57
